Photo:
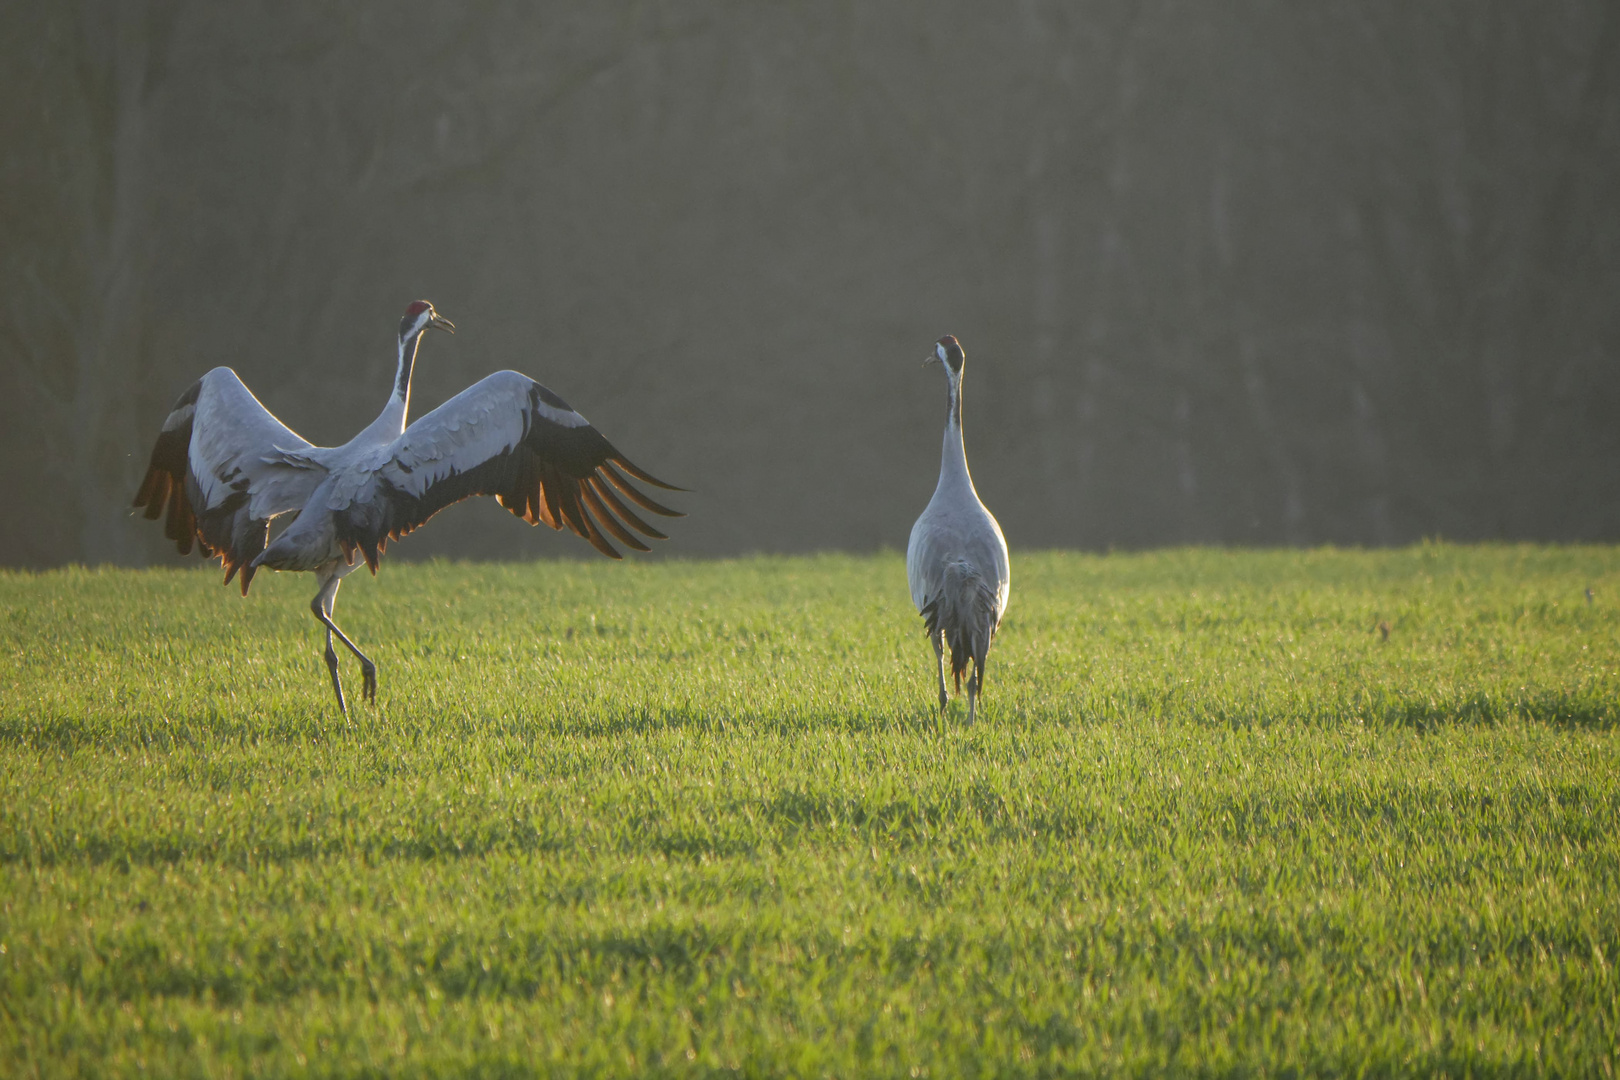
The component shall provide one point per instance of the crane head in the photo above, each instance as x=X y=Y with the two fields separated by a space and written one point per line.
x=420 y=316
x=948 y=351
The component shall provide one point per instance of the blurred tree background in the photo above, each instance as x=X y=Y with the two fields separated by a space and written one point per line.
x=1246 y=273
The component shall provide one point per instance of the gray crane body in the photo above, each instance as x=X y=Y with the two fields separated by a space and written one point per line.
x=956 y=560
x=223 y=468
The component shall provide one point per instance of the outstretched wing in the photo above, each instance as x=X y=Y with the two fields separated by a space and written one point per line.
x=222 y=467
x=509 y=437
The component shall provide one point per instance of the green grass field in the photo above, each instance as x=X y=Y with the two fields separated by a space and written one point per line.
x=697 y=818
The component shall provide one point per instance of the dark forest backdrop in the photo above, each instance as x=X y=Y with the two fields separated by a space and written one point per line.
x=1240 y=273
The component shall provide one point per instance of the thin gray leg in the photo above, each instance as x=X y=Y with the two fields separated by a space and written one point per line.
x=975 y=687
x=322 y=607
x=332 y=666
x=939 y=666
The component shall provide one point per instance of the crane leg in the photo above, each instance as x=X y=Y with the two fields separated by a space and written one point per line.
x=325 y=598
x=337 y=681
x=939 y=667
x=975 y=681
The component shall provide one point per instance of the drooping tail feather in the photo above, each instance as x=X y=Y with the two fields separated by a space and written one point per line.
x=965 y=611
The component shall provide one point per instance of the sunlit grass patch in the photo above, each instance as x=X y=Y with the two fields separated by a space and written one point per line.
x=691 y=817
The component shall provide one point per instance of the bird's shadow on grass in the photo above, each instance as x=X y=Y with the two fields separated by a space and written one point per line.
x=1584 y=709
x=69 y=732
x=1564 y=710
x=1558 y=709
x=695 y=720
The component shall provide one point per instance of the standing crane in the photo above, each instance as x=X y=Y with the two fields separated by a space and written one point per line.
x=956 y=561
x=223 y=468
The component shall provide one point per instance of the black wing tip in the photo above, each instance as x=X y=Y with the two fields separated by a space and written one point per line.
x=148 y=498
x=643 y=475
x=603 y=490
x=659 y=508
x=594 y=537
x=596 y=508
x=635 y=494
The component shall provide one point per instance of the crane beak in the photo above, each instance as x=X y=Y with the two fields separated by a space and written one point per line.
x=442 y=323
x=931 y=358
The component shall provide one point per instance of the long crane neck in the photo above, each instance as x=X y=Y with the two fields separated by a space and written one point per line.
x=390 y=423
x=953 y=467
x=392 y=420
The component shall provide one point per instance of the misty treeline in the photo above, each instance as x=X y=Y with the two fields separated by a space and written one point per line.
x=1248 y=273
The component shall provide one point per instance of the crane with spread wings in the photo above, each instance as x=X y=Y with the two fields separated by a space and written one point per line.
x=224 y=467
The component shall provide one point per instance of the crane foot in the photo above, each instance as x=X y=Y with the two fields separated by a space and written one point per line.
x=368 y=676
